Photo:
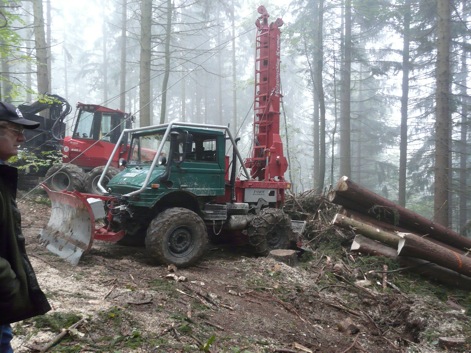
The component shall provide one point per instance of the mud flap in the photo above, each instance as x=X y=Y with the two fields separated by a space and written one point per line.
x=70 y=230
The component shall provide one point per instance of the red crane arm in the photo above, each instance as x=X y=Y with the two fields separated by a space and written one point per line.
x=267 y=161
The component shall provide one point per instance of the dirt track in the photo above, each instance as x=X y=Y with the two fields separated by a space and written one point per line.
x=230 y=302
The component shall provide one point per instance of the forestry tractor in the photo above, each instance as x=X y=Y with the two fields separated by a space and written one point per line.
x=83 y=155
x=178 y=189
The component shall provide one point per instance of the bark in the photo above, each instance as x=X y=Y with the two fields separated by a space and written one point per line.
x=168 y=36
x=372 y=247
x=105 y=57
x=435 y=272
x=390 y=212
x=235 y=123
x=424 y=268
x=49 y=45
x=41 y=48
x=369 y=231
x=370 y=220
x=145 y=61
x=321 y=98
x=345 y=152
x=350 y=204
x=443 y=115
x=404 y=104
x=366 y=226
x=412 y=245
x=463 y=146
x=6 y=85
x=122 y=74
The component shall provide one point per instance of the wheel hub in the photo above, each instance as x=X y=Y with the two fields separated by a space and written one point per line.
x=180 y=241
x=61 y=181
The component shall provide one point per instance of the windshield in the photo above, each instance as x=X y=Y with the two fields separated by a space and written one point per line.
x=84 y=128
x=98 y=126
x=145 y=146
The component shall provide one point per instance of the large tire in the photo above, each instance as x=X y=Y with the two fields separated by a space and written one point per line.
x=269 y=230
x=94 y=175
x=177 y=236
x=65 y=177
x=27 y=182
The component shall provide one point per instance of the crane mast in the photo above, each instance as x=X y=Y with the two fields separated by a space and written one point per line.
x=267 y=162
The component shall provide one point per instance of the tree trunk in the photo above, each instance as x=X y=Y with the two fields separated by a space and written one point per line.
x=234 y=73
x=183 y=94
x=367 y=246
x=319 y=93
x=220 y=61
x=404 y=104
x=371 y=220
x=7 y=87
x=145 y=62
x=168 y=36
x=443 y=116
x=463 y=147
x=122 y=74
x=412 y=245
x=104 y=72
x=41 y=48
x=345 y=152
x=375 y=233
x=49 y=45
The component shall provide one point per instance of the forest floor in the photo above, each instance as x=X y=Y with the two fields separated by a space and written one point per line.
x=232 y=301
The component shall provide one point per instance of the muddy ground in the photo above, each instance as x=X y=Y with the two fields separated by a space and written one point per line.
x=232 y=301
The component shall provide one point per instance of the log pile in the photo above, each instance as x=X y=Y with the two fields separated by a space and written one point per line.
x=383 y=228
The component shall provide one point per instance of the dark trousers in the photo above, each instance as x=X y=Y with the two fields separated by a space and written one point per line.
x=6 y=336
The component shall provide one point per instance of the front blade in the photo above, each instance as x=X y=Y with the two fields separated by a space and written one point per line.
x=69 y=232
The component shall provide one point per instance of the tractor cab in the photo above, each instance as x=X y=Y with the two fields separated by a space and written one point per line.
x=165 y=160
x=96 y=131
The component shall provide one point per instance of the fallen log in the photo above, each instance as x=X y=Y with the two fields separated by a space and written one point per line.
x=371 y=220
x=380 y=231
x=338 y=199
x=372 y=232
x=395 y=214
x=412 y=245
x=372 y=247
x=366 y=246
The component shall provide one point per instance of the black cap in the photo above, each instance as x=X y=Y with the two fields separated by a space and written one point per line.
x=8 y=112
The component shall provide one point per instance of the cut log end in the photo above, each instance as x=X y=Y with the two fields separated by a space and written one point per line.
x=289 y=257
x=342 y=184
x=400 y=245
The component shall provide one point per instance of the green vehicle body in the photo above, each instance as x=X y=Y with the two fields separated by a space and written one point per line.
x=190 y=172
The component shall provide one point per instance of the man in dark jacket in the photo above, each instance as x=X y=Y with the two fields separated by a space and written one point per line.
x=20 y=295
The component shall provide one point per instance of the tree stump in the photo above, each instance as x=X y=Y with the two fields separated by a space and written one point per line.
x=289 y=257
x=451 y=342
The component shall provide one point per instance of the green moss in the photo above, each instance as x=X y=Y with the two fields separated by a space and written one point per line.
x=55 y=321
x=162 y=285
x=185 y=328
